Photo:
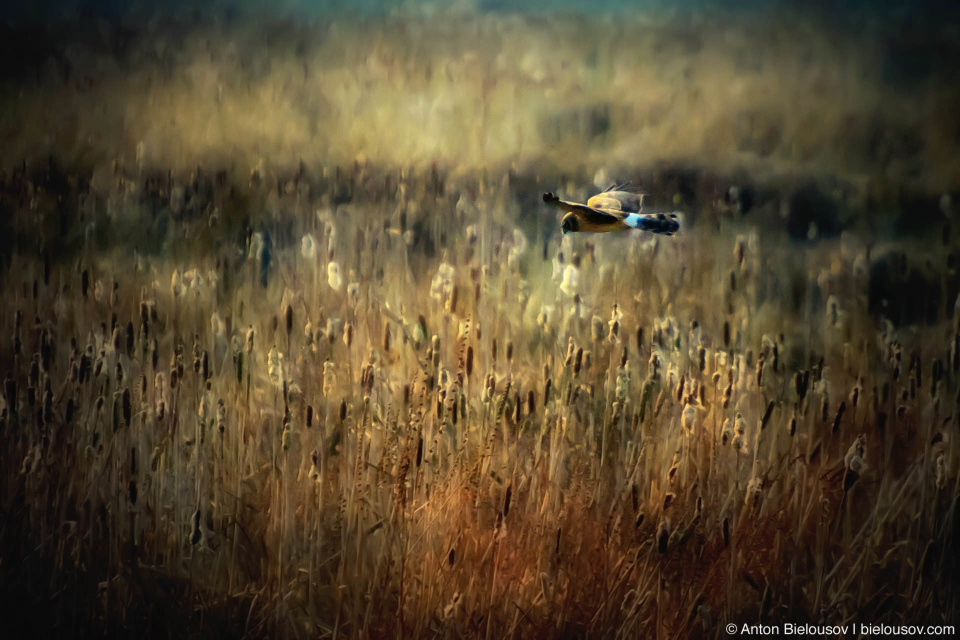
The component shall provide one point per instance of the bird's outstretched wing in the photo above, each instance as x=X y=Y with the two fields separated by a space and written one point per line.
x=591 y=214
x=618 y=197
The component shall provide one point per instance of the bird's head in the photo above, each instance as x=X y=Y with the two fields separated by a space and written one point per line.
x=569 y=224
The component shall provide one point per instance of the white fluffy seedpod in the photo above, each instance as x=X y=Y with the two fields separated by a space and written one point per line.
x=275 y=367
x=205 y=408
x=623 y=384
x=689 y=418
x=217 y=326
x=726 y=434
x=740 y=438
x=854 y=460
x=176 y=283
x=353 y=293
x=570 y=284
x=308 y=247
x=256 y=246
x=328 y=378
x=442 y=284
x=334 y=279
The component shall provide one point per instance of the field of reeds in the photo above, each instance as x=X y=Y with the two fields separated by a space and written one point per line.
x=354 y=383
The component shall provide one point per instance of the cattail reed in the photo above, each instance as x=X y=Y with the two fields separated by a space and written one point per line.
x=468 y=364
x=578 y=361
x=451 y=305
x=663 y=535
x=127 y=407
x=766 y=415
x=197 y=534
x=596 y=328
x=839 y=417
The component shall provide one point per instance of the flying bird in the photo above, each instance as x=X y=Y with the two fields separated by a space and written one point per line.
x=617 y=208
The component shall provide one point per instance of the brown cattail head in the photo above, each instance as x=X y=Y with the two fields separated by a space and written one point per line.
x=288 y=319
x=663 y=535
x=452 y=301
x=468 y=365
x=578 y=361
x=766 y=415
x=197 y=534
x=127 y=406
x=839 y=417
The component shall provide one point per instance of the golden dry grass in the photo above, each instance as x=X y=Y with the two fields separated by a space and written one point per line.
x=371 y=402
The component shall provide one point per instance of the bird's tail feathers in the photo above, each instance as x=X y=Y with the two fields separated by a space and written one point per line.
x=662 y=223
